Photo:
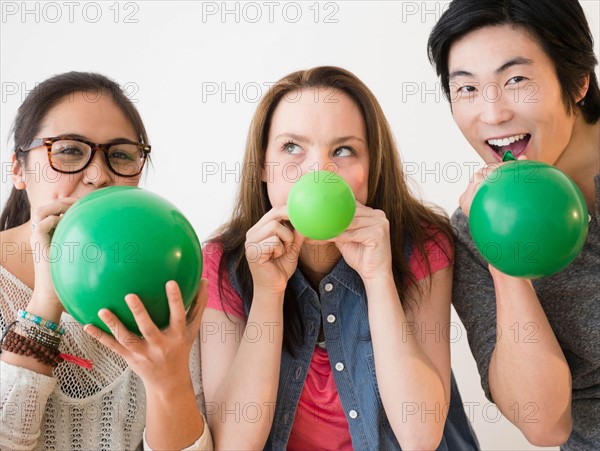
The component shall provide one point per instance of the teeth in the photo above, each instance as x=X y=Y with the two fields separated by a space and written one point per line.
x=506 y=141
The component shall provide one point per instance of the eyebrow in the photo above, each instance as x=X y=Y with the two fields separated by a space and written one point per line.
x=85 y=138
x=304 y=139
x=517 y=61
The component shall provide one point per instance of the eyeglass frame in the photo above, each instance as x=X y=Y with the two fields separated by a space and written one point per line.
x=48 y=142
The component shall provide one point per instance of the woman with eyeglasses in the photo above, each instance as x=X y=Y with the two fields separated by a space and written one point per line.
x=76 y=133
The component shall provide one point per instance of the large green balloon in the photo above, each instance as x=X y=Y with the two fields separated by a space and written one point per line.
x=122 y=240
x=321 y=205
x=528 y=219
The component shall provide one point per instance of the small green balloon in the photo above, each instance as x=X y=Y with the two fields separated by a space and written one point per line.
x=528 y=219
x=321 y=205
x=122 y=240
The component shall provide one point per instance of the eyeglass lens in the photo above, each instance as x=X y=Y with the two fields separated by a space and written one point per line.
x=71 y=156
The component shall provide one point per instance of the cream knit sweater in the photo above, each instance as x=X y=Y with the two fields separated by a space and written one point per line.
x=77 y=408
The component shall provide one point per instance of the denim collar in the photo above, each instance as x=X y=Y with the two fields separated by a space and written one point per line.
x=341 y=273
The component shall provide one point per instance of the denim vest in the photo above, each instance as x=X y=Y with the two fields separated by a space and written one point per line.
x=341 y=305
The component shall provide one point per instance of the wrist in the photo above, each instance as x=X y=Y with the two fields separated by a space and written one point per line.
x=379 y=279
x=270 y=296
x=175 y=389
x=47 y=307
x=501 y=278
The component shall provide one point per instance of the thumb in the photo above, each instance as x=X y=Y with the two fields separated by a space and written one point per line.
x=296 y=245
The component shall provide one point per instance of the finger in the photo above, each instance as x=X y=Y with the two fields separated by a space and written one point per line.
x=106 y=339
x=55 y=208
x=121 y=334
x=270 y=229
x=176 y=309
x=362 y=222
x=43 y=229
x=295 y=246
x=146 y=326
x=270 y=249
x=195 y=318
x=278 y=214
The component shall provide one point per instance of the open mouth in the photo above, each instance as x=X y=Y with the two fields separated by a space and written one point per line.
x=517 y=144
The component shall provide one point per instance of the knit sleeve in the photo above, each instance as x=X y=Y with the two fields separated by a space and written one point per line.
x=23 y=398
x=474 y=298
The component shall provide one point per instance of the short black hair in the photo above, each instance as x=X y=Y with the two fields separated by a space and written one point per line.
x=560 y=26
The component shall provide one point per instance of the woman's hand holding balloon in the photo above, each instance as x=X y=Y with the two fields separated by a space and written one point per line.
x=159 y=355
x=365 y=244
x=44 y=301
x=272 y=251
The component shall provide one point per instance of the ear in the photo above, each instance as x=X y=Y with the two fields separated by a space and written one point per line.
x=584 y=85
x=17 y=174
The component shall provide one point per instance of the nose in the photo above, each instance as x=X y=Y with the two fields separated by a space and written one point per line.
x=320 y=160
x=97 y=173
x=495 y=110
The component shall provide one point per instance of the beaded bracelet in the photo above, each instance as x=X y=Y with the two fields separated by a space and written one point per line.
x=43 y=338
x=30 y=329
x=26 y=325
x=41 y=322
x=19 y=344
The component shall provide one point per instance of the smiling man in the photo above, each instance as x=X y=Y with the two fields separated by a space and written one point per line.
x=520 y=76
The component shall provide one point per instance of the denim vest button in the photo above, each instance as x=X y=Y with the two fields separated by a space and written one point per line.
x=311 y=327
x=328 y=287
x=286 y=417
x=353 y=414
x=298 y=372
x=331 y=318
x=339 y=366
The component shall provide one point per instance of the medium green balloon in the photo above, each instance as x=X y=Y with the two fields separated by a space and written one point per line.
x=528 y=219
x=122 y=240
x=321 y=205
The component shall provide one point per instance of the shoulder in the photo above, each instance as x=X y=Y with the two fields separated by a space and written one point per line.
x=459 y=220
x=212 y=252
x=16 y=257
x=438 y=253
x=221 y=295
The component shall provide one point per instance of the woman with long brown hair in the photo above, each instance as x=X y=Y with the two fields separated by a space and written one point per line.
x=328 y=344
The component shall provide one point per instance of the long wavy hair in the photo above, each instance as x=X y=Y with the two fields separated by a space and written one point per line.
x=387 y=191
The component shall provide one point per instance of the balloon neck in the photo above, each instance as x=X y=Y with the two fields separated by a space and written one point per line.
x=508 y=156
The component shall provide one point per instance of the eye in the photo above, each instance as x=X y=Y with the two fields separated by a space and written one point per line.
x=344 y=151
x=291 y=148
x=119 y=155
x=70 y=150
x=515 y=80
x=466 y=89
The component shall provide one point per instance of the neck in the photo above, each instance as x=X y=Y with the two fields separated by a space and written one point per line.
x=581 y=158
x=317 y=260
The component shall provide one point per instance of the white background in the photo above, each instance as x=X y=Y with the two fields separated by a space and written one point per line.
x=196 y=70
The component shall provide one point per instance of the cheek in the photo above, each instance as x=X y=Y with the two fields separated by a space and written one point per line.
x=460 y=114
x=359 y=182
x=279 y=180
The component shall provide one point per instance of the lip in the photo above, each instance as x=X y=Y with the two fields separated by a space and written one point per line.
x=497 y=156
x=505 y=136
